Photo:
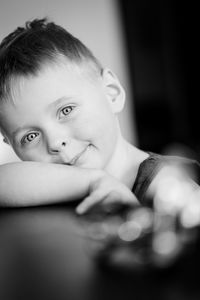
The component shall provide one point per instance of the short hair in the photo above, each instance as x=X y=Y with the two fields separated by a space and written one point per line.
x=24 y=51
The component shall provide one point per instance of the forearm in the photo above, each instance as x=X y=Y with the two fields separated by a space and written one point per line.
x=34 y=183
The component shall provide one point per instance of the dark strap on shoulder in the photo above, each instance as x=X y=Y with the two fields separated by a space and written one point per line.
x=150 y=167
x=146 y=173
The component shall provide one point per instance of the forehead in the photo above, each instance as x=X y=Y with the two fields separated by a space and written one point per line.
x=50 y=81
x=55 y=74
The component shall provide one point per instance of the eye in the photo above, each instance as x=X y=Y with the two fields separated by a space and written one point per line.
x=29 y=137
x=66 y=110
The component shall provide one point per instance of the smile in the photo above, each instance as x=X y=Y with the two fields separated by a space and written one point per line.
x=76 y=157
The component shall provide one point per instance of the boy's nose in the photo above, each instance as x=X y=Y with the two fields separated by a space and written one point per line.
x=57 y=146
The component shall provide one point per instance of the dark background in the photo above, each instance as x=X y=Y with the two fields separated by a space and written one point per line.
x=161 y=38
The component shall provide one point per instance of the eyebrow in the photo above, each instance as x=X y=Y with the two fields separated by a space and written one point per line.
x=59 y=101
x=15 y=132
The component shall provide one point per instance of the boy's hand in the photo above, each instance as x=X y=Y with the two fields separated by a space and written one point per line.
x=106 y=190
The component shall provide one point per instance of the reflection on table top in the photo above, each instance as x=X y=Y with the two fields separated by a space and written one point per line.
x=45 y=255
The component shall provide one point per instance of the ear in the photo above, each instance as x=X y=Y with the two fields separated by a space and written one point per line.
x=4 y=136
x=114 y=90
x=5 y=140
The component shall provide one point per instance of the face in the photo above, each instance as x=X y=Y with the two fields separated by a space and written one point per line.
x=64 y=116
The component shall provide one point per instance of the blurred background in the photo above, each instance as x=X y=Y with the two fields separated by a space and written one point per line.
x=149 y=45
x=161 y=47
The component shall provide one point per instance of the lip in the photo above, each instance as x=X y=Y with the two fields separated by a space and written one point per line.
x=76 y=157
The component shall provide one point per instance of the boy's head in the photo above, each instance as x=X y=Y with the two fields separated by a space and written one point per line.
x=28 y=48
x=57 y=104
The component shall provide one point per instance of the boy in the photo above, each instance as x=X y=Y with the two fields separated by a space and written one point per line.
x=58 y=110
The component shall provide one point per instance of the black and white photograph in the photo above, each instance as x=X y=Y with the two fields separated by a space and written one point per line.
x=99 y=150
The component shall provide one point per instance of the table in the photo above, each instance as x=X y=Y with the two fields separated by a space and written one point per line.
x=44 y=255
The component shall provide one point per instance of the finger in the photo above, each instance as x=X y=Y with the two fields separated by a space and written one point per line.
x=127 y=198
x=87 y=203
x=130 y=199
x=113 y=197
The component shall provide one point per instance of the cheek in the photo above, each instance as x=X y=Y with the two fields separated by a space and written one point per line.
x=24 y=155
x=96 y=127
x=31 y=154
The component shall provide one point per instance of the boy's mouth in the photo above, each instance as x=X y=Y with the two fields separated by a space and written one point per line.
x=75 y=159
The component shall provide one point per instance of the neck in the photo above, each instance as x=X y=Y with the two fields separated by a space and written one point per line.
x=125 y=162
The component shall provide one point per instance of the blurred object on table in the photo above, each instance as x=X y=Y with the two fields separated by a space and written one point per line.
x=149 y=237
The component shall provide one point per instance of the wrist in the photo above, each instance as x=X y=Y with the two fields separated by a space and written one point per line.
x=95 y=176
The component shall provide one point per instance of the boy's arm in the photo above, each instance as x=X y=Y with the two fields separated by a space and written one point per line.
x=35 y=183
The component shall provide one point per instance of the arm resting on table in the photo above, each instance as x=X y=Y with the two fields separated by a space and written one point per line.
x=34 y=183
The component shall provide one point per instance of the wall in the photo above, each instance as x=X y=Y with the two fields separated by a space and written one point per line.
x=96 y=23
